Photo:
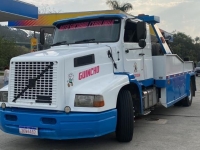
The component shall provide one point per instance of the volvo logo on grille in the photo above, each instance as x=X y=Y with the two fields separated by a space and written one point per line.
x=32 y=83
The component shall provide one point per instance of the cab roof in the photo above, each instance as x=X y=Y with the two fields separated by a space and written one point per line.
x=90 y=17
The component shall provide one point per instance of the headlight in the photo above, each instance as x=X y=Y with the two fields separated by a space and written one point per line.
x=89 y=101
x=3 y=96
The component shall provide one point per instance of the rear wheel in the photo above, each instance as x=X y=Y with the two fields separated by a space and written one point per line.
x=187 y=101
x=125 y=117
x=178 y=103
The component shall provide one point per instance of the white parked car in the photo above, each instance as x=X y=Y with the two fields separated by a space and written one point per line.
x=197 y=69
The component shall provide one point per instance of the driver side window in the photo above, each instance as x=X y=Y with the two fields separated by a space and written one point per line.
x=130 y=34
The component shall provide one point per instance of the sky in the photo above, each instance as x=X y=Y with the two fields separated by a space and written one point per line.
x=175 y=15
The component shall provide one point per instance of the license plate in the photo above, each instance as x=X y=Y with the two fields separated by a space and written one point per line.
x=28 y=130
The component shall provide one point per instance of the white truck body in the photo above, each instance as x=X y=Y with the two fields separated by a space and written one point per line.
x=88 y=69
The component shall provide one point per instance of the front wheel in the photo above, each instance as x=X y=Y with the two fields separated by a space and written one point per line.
x=125 y=117
x=187 y=101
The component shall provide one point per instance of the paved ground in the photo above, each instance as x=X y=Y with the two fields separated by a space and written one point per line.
x=177 y=129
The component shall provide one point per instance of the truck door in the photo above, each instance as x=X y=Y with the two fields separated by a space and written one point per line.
x=133 y=54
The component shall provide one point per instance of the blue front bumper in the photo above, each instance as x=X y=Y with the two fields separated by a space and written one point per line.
x=59 y=125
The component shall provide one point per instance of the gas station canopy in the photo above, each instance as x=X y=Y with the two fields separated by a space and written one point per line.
x=47 y=20
x=12 y=10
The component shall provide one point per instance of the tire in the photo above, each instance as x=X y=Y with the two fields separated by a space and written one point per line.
x=187 y=101
x=125 y=117
x=178 y=103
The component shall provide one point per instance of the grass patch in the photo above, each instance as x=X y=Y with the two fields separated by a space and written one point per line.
x=1 y=74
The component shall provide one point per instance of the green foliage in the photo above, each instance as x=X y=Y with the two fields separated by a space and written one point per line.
x=15 y=42
x=185 y=46
x=196 y=39
x=8 y=50
x=13 y=34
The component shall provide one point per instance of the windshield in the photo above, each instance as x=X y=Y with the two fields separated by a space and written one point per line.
x=88 y=31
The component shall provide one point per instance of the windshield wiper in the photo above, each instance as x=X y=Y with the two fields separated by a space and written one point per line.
x=85 y=41
x=59 y=43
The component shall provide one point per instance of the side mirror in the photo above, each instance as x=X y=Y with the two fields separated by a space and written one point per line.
x=141 y=30
x=142 y=43
x=42 y=38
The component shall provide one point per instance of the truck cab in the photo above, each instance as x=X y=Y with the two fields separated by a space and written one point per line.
x=101 y=71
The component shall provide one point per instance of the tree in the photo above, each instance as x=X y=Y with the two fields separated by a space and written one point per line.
x=196 y=39
x=115 y=5
x=46 y=9
x=8 y=50
x=16 y=35
x=184 y=46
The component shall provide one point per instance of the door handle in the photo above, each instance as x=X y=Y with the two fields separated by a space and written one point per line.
x=141 y=54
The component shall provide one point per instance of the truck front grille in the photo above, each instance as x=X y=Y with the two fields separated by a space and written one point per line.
x=22 y=72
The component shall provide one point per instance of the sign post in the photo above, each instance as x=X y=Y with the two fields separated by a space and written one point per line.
x=34 y=45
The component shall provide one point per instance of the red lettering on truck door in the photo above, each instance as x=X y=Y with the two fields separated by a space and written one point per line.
x=88 y=73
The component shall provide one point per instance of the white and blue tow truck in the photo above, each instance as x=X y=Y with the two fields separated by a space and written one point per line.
x=100 y=72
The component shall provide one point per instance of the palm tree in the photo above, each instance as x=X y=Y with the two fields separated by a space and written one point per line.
x=125 y=7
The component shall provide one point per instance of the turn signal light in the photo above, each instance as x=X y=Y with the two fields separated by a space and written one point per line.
x=98 y=103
